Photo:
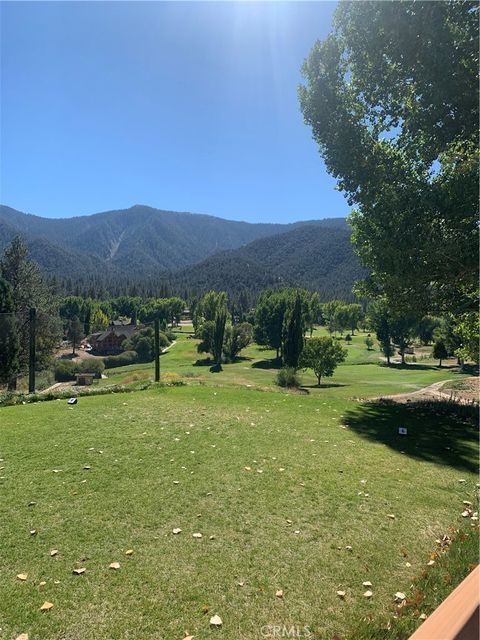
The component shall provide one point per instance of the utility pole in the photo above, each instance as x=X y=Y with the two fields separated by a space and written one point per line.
x=157 y=350
x=31 y=353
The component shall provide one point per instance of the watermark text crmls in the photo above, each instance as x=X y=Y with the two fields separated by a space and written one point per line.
x=285 y=631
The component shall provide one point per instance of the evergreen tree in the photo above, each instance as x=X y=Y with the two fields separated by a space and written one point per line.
x=293 y=334
x=75 y=332
x=30 y=290
x=9 y=344
x=218 y=337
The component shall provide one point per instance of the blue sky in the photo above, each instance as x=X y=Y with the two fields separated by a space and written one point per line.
x=181 y=106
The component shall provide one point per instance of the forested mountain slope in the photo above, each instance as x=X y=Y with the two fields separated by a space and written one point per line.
x=149 y=249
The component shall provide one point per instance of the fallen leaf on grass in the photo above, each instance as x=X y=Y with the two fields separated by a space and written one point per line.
x=53 y=552
x=430 y=563
x=129 y=552
x=22 y=576
x=279 y=593
x=197 y=535
x=114 y=565
x=367 y=594
x=241 y=584
x=42 y=583
x=367 y=583
x=22 y=636
x=341 y=594
x=33 y=532
x=391 y=516
x=216 y=621
x=46 y=606
x=176 y=531
x=79 y=572
x=400 y=597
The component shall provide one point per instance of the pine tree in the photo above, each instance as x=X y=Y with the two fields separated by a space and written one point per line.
x=30 y=290
x=9 y=344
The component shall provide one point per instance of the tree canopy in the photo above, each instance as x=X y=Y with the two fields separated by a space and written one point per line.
x=323 y=355
x=392 y=98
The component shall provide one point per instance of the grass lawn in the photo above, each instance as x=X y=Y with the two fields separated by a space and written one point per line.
x=290 y=492
x=257 y=369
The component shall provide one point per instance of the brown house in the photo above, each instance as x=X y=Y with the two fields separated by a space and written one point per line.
x=109 y=342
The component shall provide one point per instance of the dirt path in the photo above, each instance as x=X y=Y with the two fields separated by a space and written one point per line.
x=465 y=395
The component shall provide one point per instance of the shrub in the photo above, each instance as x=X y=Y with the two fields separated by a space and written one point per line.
x=65 y=370
x=123 y=359
x=92 y=365
x=348 y=338
x=287 y=377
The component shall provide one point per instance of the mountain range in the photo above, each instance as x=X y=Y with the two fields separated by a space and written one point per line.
x=186 y=252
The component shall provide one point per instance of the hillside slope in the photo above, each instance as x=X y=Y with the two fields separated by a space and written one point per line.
x=309 y=256
x=140 y=238
x=150 y=250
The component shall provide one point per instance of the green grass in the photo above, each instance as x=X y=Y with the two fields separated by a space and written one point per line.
x=203 y=436
x=257 y=369
x=452 y=564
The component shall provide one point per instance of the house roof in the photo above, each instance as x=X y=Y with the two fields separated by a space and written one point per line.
x=118 y=330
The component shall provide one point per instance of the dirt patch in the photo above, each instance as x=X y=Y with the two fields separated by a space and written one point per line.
x=462 y=391
x=466 y=389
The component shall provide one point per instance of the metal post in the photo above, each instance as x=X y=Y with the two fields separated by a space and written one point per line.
x=157 y=350
x=31 y=354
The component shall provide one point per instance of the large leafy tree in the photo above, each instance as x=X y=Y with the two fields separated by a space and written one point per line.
x=323 y=355
x=402 y=327
x=392 y=98
x=269 y=316
x=379 y=318
x=237 y=337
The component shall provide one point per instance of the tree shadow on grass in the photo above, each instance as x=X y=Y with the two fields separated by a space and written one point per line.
x=203 y=362
x=324 y=385
x=412 y=366
x=274 y=363
x=438 y=431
